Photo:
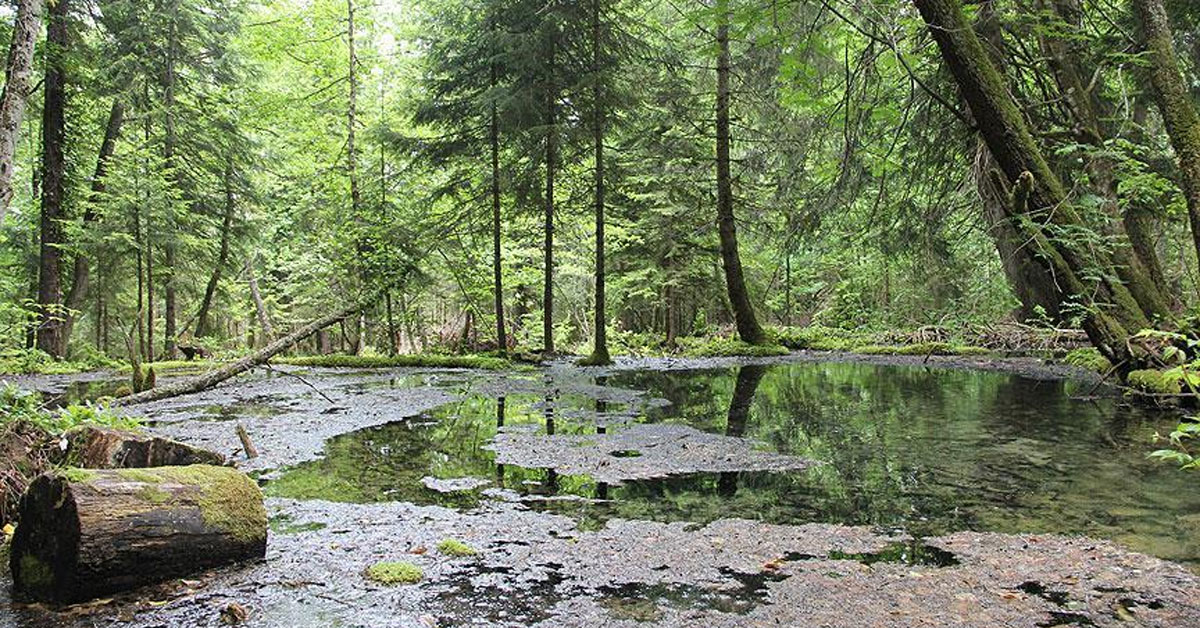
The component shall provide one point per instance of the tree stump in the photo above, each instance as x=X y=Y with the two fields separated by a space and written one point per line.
x=94 y=447
x=88 y=533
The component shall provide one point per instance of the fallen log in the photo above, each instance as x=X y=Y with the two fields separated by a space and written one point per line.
x=93 y=447
x=216 y=376
x=89 y=533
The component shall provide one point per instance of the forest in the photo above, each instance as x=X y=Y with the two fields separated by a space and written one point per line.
x=286 y=265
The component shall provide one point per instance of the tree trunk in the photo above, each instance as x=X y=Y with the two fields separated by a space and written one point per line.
x=50 y=329
x=170 y=305
x=260 y=308
x=203 y=327
x=86 y=533
x=80 y=269
x=735 y=282
x=214 y=377
x=16 y=89
x=391 y=323
x=1112 y=314
x=599 y=355
x=497 y=275
x=551 y=157
x=1178 y=110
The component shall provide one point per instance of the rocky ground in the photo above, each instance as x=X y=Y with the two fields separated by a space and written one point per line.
x=536 y=568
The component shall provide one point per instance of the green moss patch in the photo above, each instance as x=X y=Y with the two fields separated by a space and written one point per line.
x=729 y=347
x=1088 y=358
x=452 y=547
x=921 y=348
x=229 y=500
x=77 y=476
x=1154 y=382
x=395 y=573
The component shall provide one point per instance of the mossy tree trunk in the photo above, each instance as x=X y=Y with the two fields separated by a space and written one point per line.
x=87 y=533
x=1041 y=208
x=1178 y=110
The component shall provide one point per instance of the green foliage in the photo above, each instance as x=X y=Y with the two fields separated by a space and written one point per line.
x=17 y=405
x=1182 y=442
x=921 y=348
x=395 y=573
x=34 y=362
x=821 y=338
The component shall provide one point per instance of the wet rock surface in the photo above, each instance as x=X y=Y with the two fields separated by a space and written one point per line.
x=639 y=452
x=538 y=569
x=544 y=568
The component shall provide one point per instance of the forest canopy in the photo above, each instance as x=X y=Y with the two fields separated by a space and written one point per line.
x=593 y=176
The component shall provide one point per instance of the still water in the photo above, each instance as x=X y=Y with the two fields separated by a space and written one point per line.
x=923 y=450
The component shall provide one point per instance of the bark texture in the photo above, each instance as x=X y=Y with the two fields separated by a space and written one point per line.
x=1112 y=313
x=16 y=89
x=50 y=334
x=94 y=447
x=84 y=534
x=600 y=354
x=735 y=281
x=1178 y=110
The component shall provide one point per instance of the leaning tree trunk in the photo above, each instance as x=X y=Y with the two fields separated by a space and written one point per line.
x=735 y=281
x=87 y=533
x=81 y=267
x=260 y=308
x=1112 y=314
x=16 y=88
x=54 y=184
x=1178 y=110
x=203 y=326
x=214 y=377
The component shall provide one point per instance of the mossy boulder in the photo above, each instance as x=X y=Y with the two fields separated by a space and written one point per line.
x=1089 y=359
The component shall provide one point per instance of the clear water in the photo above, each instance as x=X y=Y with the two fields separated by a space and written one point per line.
x=928 y=451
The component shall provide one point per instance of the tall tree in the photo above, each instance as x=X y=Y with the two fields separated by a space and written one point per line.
x=600 y=354
x=550 y=92
x=16 y=87
x=1176 y=105
x=1039 y=201
x=51 y=337
x=735 y=281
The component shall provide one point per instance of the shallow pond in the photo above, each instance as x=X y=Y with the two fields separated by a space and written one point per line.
x=927 y=451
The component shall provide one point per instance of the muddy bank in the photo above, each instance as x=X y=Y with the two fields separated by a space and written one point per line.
x=538 y=569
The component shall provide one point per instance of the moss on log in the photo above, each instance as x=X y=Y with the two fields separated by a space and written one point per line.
x=89 y=533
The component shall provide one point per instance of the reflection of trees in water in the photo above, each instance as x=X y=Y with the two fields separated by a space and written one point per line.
x=748 y=379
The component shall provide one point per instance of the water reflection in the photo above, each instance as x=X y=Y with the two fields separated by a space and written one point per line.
x=921 y=449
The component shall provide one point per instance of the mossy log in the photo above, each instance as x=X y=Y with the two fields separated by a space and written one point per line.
x=89 y=533
x=93 y=447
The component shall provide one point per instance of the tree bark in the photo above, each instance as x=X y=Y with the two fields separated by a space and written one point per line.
x=203 y=326
x=16 y=90
x=1111 y=314
x=93 y=447
x=260 y=308
x=85 y=534
x=735 y=282
x=170 y=142
x=600 y=354
x=81 y=268
x=551 y=158
x=1178 y=110
x=50 y=328
x=494 y=140
x=214 y=377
